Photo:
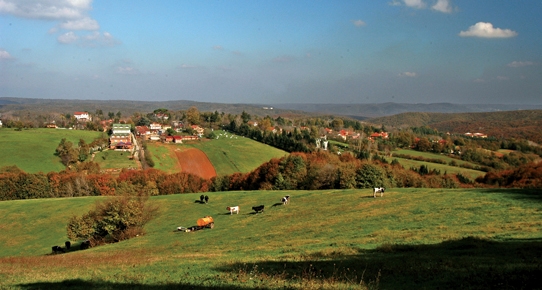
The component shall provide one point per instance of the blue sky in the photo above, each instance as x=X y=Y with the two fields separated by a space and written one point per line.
x=268 y=52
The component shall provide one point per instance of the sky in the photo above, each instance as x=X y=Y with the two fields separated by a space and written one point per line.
x=273 y=51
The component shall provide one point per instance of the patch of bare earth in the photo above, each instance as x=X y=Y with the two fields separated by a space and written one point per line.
x=195 y=161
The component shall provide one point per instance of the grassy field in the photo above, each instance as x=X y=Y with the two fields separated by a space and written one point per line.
x=111 y=159
x=409 y=239
x=228 y=153
x=408 y=163
x=433 y=156
x=33 y=150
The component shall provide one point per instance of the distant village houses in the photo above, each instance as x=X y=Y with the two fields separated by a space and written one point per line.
x=476 y=135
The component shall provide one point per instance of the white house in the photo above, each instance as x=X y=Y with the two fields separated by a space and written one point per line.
x=121 y=128
x=82 y=116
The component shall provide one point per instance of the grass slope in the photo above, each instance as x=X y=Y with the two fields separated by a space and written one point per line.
x=33 y=150
x=410 y=239
x=409 y=163
x=228 y=154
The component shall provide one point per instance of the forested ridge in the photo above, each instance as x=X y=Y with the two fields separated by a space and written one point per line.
x=521 y=124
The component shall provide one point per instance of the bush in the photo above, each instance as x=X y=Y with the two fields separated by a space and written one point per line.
x=113 y=220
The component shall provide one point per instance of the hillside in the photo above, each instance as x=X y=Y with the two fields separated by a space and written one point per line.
x=373 y=110
x=33 y=150
x=227 y=153
x=523 y=124
x=409 y=239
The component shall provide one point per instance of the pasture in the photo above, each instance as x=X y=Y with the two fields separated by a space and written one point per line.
x=228 y=153
x=332 y=239
x=409 y=163
x=33 y=150
x=430 y=155
x=111 y=159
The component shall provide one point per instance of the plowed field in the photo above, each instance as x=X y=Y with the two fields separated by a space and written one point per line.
x=194 y=161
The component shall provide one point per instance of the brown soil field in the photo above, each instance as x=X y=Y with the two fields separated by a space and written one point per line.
x=194 y=161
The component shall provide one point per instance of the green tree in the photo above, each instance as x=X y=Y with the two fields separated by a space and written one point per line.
x=113 y=220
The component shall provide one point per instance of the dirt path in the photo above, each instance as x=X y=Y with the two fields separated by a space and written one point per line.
x=194 y=161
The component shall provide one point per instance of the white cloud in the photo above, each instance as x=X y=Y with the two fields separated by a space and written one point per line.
x=4 y=55
x=186 y=66
x=85 y=23
x=46 y=9
x=419 y=4
x=415 y=3
x=520 y=63
x=502 y=78
x=358 y=23
x=67 y=38
x=486 y=30
x=128 y=70
x=443 y=6
x=93 y=39
x=408 y=74
x=218 y=47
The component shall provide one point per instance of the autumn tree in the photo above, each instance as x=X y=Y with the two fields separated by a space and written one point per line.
x=193 y=116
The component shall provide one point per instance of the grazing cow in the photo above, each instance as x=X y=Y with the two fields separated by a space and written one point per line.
x=206 y=199
x=68 y=245
x=85 y=245
x=258 y=209
x=377 y=190
x=233 y=209
x=285 y=199
x=201 y=198
x=57 y=250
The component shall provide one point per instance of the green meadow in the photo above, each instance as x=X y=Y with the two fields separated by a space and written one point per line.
x=33 y=150
x=409 y=163
x=330 y=239
x=434 y=156
x=228 y=153
x=111 y=159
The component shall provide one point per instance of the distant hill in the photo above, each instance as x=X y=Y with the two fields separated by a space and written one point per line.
x=356 y=111
x=128 y=108
x=363 y=111
x=523 y=124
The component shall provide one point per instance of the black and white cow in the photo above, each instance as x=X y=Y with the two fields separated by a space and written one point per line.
x=201 y=198
x=206 y=199
x=285 y=199
x=377 y=190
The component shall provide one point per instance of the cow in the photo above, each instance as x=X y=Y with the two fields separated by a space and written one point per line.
x=206 y=199
x=258 y=209
x=85 y=245
x=57 y=250
x=233 y=209
x=377 y=190
x=68 y=245
x=285 y=200
x=201 y=198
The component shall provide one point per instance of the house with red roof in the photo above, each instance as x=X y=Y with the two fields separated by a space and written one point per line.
x=82 y=116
